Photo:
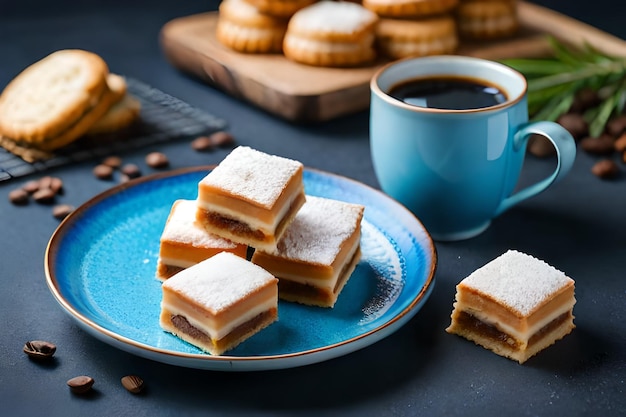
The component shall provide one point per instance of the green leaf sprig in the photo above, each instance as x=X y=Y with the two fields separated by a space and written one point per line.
x=554 y=82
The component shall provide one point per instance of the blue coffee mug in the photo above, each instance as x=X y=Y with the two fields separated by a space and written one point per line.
x=456 y=170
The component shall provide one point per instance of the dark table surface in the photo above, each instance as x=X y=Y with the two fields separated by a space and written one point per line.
x=579 y=226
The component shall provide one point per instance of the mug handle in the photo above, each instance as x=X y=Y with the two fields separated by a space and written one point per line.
x=565 y=147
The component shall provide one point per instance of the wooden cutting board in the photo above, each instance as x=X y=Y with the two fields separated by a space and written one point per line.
x=301 y=93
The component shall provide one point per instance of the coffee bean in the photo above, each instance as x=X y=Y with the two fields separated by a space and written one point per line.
x=606 y=169
x=202 y=144
x=157 y=160
x=222 y=138
x=575 y=124
x=44 y=196
x=56 y=185
x=540 y=146
x=602 y=145
x=45 y=182
x=61 y=211
x=616 y=126
x=585 y=99
x=620 y=143
x=19 y=197
x=39 y=349
x=80 y=384
x=103 y=172
x=131 y=170
x=31 y=186
x=113 y=161
x=133 y=383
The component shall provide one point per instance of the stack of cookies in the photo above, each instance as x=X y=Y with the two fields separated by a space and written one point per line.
x=415 y=27
x=57 y=100
x=354 y=33
x=487 y=19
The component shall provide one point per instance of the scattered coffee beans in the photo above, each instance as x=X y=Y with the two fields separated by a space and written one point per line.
x=61 y=211
x=157 y=160
x=616 y=126
x=202 y=144
x=602 y=145
x=133 y=383
x=44 y=196
x=540 y=146
x=19 y=196
x=222 y=138
x=620 y=143
x=80 y=384
x=605 y=169
x=103 y=172
x=113 y=161
x=31 y=186
x=39 y=349
x=575 y=124
x=131 y=170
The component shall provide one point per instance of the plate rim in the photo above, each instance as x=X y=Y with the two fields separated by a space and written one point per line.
x=227 y=362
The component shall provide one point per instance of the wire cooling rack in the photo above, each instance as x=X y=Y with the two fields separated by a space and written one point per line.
x=163 y=118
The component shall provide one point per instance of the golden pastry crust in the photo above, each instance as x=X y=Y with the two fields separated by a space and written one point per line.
x=280 y=8
x=487 y=19
x=242 y=27
x=47 y=98
x=119 y=116
x=410 y=8
x=397 y=38
x=82 y=125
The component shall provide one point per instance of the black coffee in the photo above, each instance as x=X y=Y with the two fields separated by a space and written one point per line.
x=449 y=93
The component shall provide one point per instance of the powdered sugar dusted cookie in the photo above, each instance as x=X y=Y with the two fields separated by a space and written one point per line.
x=487 y=19
x=330 y=33
x=400 y=38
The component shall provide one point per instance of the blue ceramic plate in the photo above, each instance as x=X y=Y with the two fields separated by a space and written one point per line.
x=100 y=266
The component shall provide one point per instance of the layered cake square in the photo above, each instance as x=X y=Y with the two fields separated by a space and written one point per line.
x=219 y=302
x=516 y=306
x=251 y=197
x=184 y=242
x=318 y=252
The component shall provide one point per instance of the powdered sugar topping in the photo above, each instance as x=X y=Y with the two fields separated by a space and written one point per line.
x=319 y=229
x=253 y=175
x=333 y=16
x=518 y=280
x=220 y=281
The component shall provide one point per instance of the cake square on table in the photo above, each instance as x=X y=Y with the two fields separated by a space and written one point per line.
x=219 y=302
x=184 y=242
x=515 y=306
x=318 y=252
x=251 y=197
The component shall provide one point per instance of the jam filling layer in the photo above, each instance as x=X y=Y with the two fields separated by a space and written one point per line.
x=488 y=331
x=239 y=332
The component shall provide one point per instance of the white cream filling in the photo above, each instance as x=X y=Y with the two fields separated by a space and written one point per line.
x=214 y=332
x=176 y=262
x=253 y=222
